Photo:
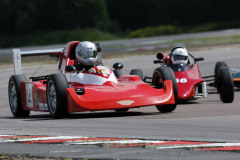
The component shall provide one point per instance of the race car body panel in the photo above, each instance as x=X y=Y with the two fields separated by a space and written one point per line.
x=130 y=92
x=186 y=82
x=34 y=95
x=111 y=96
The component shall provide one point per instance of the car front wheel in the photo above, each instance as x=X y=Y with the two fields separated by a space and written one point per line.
x=159 y=76
x=57 y=95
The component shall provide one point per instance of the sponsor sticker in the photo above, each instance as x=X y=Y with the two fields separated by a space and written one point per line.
x=92 y=70
x=126 y=102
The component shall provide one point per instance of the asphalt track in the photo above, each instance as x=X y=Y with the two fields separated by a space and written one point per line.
x=203 y=121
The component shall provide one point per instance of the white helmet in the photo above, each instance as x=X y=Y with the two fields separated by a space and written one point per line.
x=86 y=53
x=179 y=56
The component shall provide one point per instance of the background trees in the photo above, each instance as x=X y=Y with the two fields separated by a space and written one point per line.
x=137 y=14
x=24 y=16
x=119 y=17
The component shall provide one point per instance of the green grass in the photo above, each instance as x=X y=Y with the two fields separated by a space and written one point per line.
x=93 y=34
x=171 y=29
x=153 y=31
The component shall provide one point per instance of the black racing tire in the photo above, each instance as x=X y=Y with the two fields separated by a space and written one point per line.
x=57 y=95
x=159 y=76
x=120 y=72
x=226 y=86
x=14 y=96
x=137 y=72
x=218 y=66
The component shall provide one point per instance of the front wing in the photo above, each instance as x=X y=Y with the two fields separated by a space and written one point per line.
x=116 y=97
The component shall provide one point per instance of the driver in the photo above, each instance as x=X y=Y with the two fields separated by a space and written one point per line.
x=86 y=54
x=179 y=56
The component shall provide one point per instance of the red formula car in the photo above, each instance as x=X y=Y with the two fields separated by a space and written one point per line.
x=191 y=84
x=98 y=88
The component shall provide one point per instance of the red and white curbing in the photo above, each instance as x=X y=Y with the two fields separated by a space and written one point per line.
x=120 y=142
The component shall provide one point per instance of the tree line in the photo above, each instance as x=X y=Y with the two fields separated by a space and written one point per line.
x=113 y=16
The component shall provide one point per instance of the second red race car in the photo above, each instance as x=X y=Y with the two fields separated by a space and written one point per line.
x=88 y=87
x=190 y=83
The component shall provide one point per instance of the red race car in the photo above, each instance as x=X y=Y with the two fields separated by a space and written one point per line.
x=97 y=88
x=190 y=83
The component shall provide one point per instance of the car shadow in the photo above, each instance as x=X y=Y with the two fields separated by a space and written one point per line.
x=188 y=102
x=109 y=114
x=87 y=115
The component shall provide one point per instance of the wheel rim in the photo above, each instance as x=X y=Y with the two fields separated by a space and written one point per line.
x=52 y=100
x=13 y=97
x=158 y=81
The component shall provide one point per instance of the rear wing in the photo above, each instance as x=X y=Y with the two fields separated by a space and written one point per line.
x=17 y=54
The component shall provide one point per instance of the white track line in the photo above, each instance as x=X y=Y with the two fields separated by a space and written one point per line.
x=201 y=145
x=95 y=140
x=67 y=151
x=119 y=142
x=24 y=139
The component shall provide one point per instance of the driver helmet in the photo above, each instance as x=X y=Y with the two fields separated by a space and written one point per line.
x=179 y=56
x=86 y=53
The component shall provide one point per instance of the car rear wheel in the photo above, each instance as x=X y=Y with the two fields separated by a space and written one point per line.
x=137 y=72
x=218 y=66
x=14 y=95
x=226 y=86
x=159 y=76
x=120 y=72
x=57 y=95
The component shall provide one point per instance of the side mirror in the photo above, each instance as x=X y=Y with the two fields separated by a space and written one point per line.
x=118 y=66
x=199 y=59
x=70 y=68
x=160 y=55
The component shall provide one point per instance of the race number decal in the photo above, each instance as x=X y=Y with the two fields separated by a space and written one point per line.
x=43 y=106
x=29 y=98
x=181 y=80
